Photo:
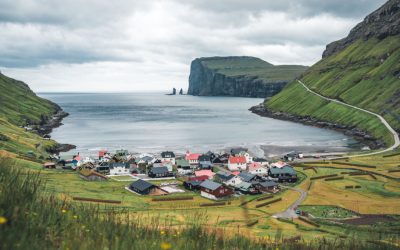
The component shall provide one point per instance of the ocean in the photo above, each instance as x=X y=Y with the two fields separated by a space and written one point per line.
x=154 y=122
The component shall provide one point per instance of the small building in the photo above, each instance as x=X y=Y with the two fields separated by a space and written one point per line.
x=146 y=159
x=238 y=150
x=90 y=175
x=262 y=161
x=248 y=177
x=145 y=188
x=210 y=174
x=103 y=169
x=49 y=165
x=234 y=180
x=102 y=153
x=279 y=164
x=267 y=186
x=214 y=191
x=236 y=163
x=246 y=188
x=192 y=158
x=119 y=168
x=199 y=178
x=284 y=174
x=160 y=172
x=224 y=176
x=183 y=167
x=168 y=156
x=192 y=185
x=205 y=162
x=257 y=169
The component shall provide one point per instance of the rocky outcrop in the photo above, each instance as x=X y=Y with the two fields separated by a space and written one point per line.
x=380 y=24
x=205 y=81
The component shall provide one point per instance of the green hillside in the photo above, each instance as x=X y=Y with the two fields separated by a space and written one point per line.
x=252 y=66
x=361 y=71
x=20 y=105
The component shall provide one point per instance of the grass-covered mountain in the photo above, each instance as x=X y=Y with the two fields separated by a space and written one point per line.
x=239 y=76
x=362 y=69
x=20 y=106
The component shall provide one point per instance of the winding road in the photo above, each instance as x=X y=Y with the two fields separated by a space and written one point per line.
x=391 y=130
x=290 y=212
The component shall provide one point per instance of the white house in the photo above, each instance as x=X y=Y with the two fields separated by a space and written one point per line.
x=236 y=163
x=233 y=181
x=168 y=156
x=192 y=158
x=119 y=169
x=257 y=168
x=249 y=159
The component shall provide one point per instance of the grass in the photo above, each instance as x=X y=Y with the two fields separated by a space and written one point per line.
x=355 y=75
x=253 y=67
x=327 y=211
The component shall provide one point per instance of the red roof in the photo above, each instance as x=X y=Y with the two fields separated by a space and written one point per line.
x=205 y=172
x=102 y=153
x=192 y=157
x=237 y=159
x=199 y=178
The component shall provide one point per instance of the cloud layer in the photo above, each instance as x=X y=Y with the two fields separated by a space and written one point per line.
x=148 y=45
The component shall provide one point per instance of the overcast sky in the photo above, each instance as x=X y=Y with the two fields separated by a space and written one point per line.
x=126 y=45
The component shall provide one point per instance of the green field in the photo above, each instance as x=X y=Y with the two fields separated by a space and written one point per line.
x=252 y=66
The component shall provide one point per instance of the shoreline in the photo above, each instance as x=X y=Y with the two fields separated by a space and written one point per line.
x=54 y=122
x=358 y=135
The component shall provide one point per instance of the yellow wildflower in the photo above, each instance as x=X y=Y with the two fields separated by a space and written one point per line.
x=165 y=246
x=3 y=220
x=64 y=211
x=162 y=232
x=75 y=217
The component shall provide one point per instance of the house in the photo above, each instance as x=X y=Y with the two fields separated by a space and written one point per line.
x=279 y=164
x=246 y=188
x=49 y=165
x=292 y=156
x=192 y=185
x=192 y=158
x=262 y=161
x=121 y=155
x=102 y=153
x=90 y=175
x=168 y=156
x=237 y=151
x=284 y=174
x=205 y=162
x=183 y=167
x=237 y=163
x=267 y=186
x=257 y=169
x=224 y=176
x=103 y=169
x=248 y=157
x=214 y=191
x=220 y=159
x=247 y=177
x=160 y=172
x=210 y=174
x=233 y=181
x=146 y=159
x=119 y=168
x=145 y=188
x=199 y=178
x=163 y=164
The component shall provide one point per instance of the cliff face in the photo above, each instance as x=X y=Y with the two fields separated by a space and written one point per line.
x=238 y=76
x=380 y=24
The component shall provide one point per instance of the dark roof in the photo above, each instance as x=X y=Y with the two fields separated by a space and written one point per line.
x=204 y=158
x=268 y=184
x=246 y=176
x=167 y=154
x=141 y=185
x=182 y=163
x=259 y=160
x=223 y=175
x=194 y=183
x=210 y=185
x=235 y=151
x=159 y=170
x=283 y=170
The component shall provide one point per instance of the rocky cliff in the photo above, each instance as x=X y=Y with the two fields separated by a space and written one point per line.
x=239 y=76
x=380 y=24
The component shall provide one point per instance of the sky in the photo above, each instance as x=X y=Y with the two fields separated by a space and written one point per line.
x=128 y=45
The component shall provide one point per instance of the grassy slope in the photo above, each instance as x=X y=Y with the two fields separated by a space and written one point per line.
x=252 y=66
x=19 y=104
x=355 y=75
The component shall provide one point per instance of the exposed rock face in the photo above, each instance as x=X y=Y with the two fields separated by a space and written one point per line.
x=204 y=81
x=381 y=23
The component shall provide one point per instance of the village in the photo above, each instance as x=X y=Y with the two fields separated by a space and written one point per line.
x=214 y=176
